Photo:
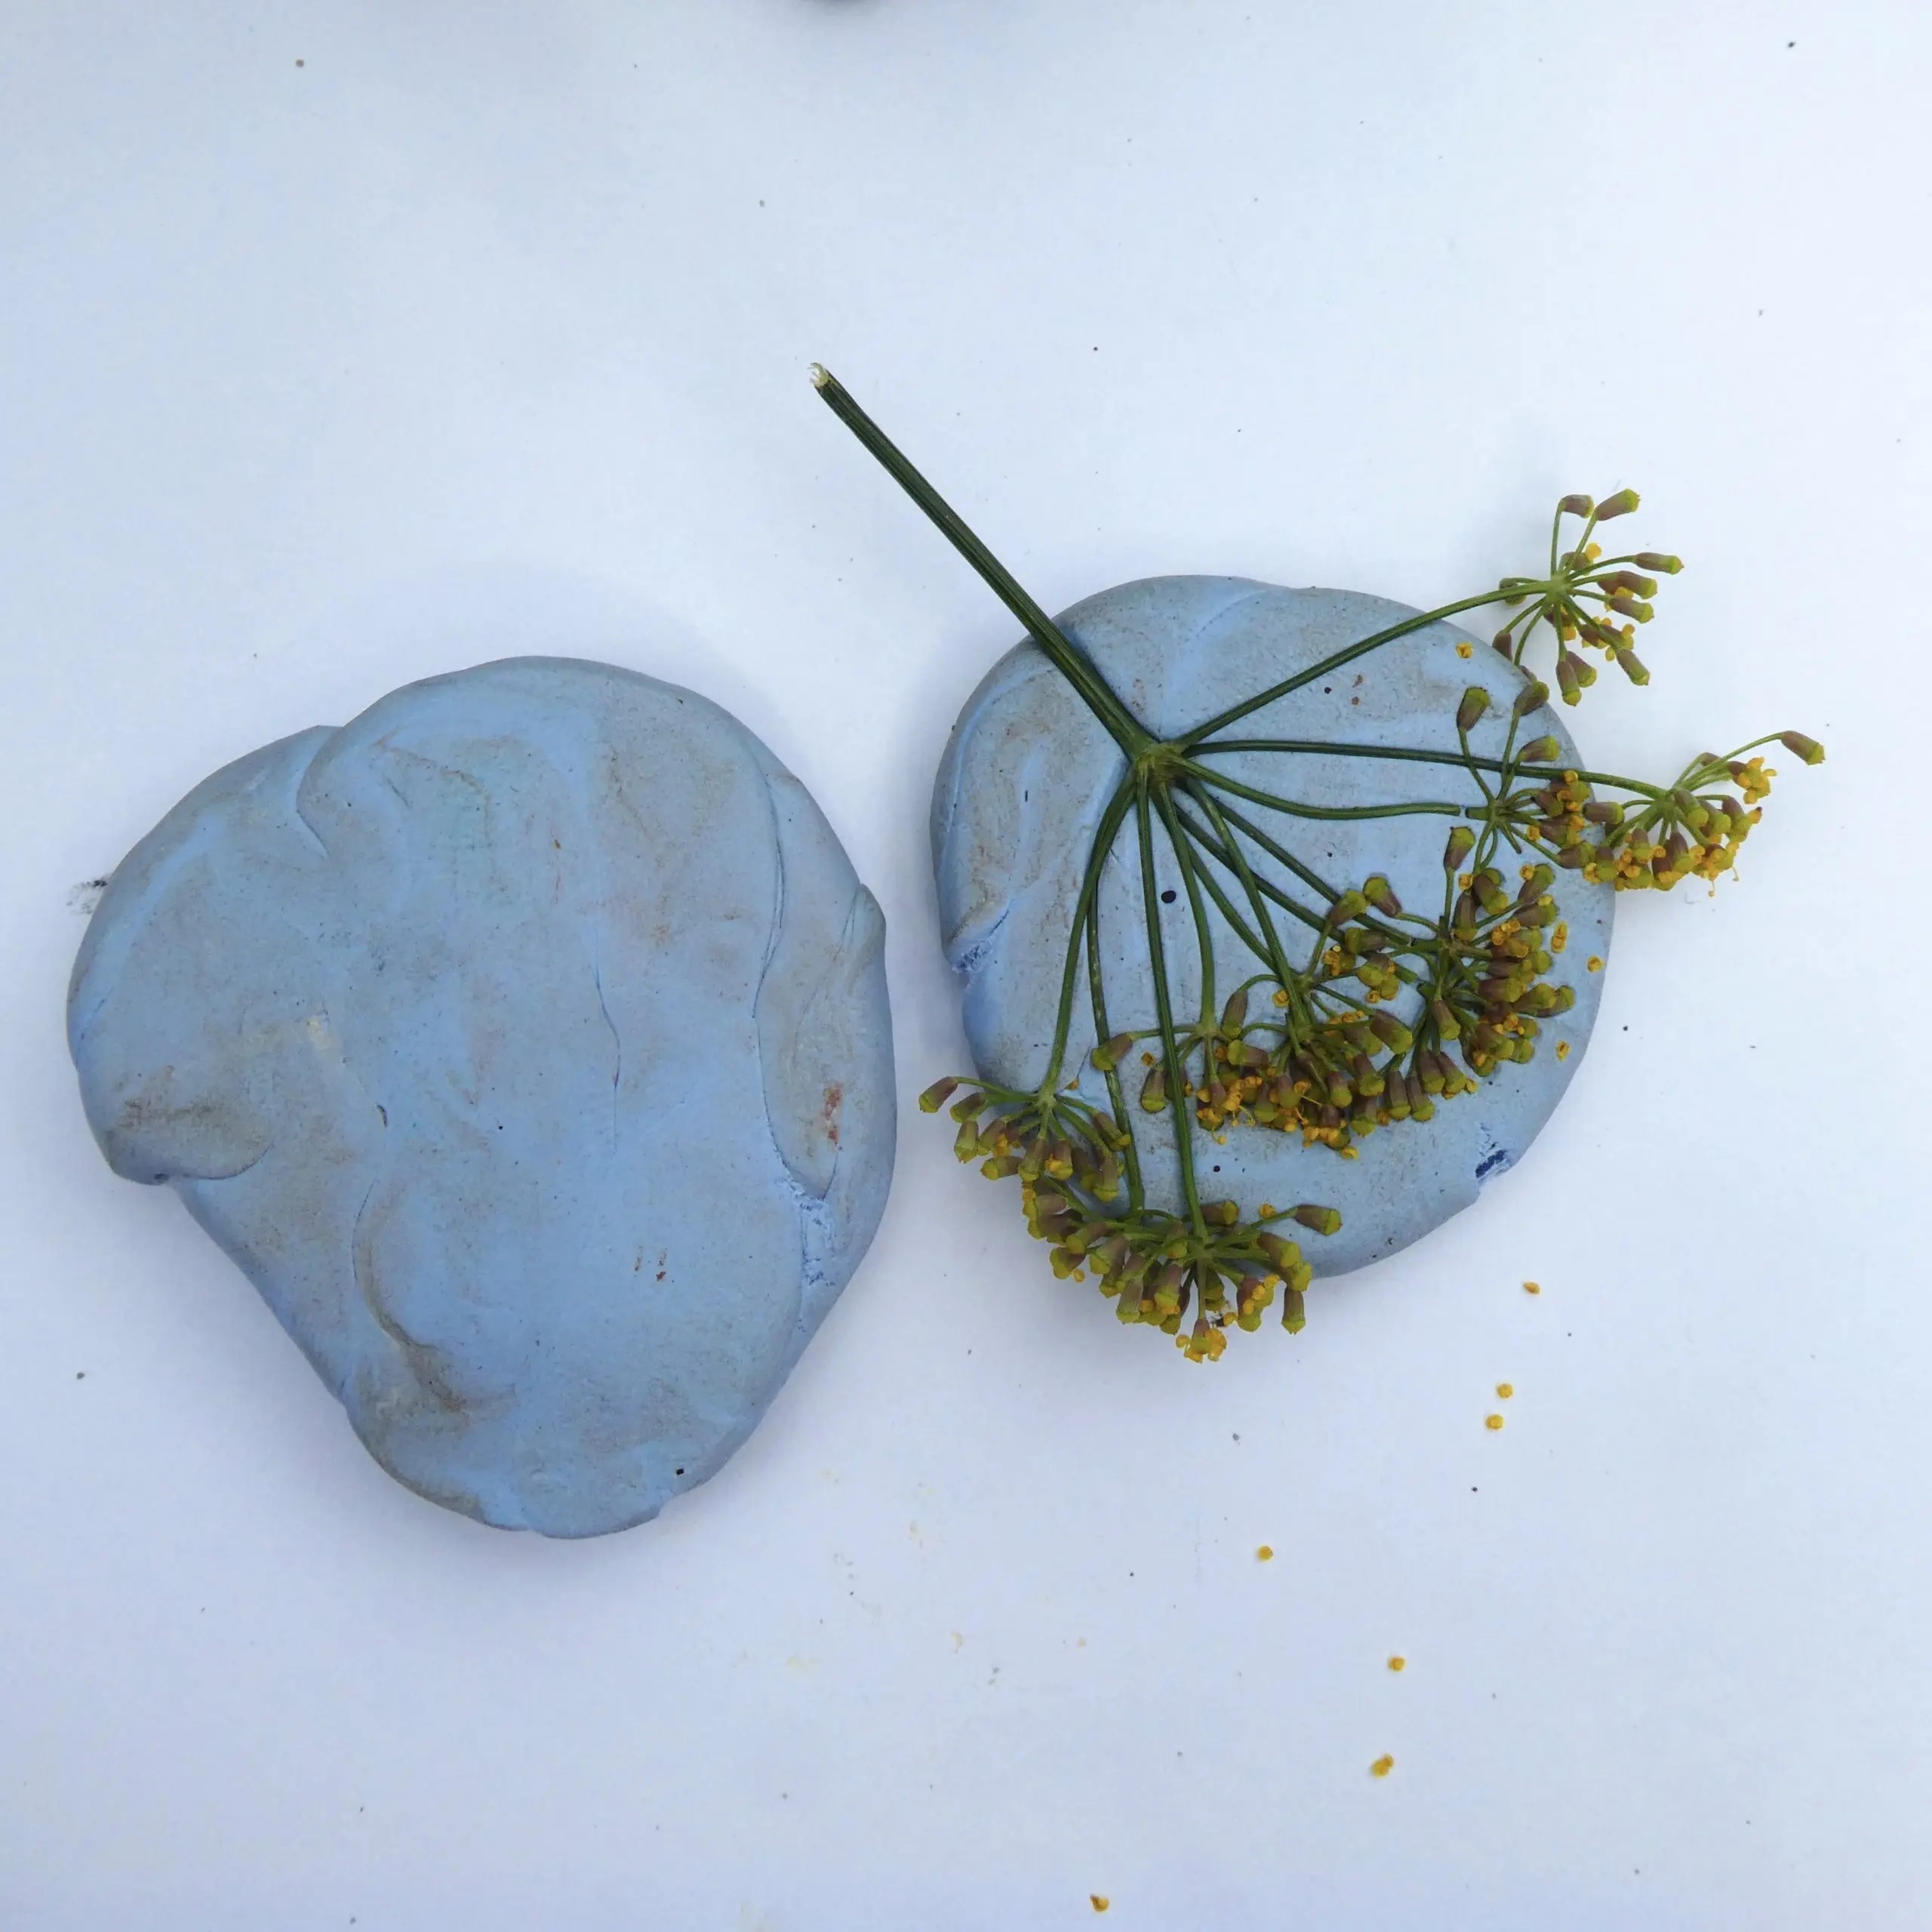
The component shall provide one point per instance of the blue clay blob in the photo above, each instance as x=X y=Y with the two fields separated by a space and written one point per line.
x=526 y=1043
x=1019 y=798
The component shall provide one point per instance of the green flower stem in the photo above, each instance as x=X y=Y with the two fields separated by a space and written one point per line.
x=1322 y=747
x=1316 y=922
x=1137 y=1192
x=1072 y=663
x=1248 y=938
x=1333 y=662
x=1222 y=782
x=1273 y=957
x=1163 y=1010
x=1308 y=876
x=1103 y=839
x=1203 y=937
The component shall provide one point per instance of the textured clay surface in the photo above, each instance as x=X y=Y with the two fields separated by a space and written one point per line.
x=1019 y=797
x=526 y=1043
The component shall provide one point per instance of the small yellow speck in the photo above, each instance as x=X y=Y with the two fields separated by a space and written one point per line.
x=1466 y=880
x=1399 y=1664
x=1383 y=1766
x=1506 y=1389
x=1266 y=1554
x=1532 y=1288
x=1267 y=1208
x=1595 y=964
x=1562 y=1050
x=1098 y=1900
x=1464 y=650
x=1492 y=1422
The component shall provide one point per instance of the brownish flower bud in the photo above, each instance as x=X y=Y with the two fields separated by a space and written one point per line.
x=937 y=1094
x=1629 y=580
x=1381 y=895
x=1576 y=506
x=1655 y=560
x=1283 y=1255
x=1391 y=1032
x=1532 y=696
x=1469 y=713
x=1462 y=842
x=1322 y=1220
x=1809 y=749
x=1622 y=504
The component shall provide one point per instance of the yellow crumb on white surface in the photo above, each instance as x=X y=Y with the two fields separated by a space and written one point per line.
x=1492 y=1422
x=1383 y=1766
x=1532 y=1288
x=1399 y=1664
x=1506 y=1389
x=1266 y=1554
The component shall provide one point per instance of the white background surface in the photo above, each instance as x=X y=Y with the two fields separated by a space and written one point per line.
x=341 y=345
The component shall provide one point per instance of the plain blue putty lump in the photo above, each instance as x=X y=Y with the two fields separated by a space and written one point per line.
x=526 y=1043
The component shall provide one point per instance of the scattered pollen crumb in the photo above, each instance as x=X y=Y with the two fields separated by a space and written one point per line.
x=1595 y=964
x=1506 y=1389
x=1464 y=650
x=1562 y=1050
x=958 y=1641
x=1399 y=1664
x=1267 y=1209
x=1098 y=1900
x=1266 y=1554
x=1383 y=1766
x=1532 y=1288
x=1492 y=1422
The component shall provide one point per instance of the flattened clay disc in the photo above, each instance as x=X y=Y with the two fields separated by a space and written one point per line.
x=525 y=1042
x=1019 y=798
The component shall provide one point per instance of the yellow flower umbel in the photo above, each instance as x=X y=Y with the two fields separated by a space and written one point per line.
x=1308 y=1039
